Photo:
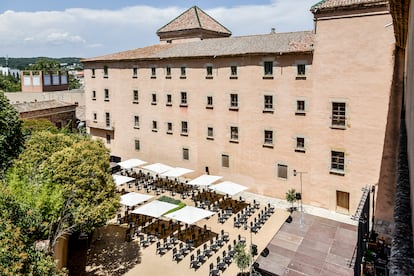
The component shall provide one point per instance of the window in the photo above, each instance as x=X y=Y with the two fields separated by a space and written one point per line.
x=154 y=126
x=136 y=121
x=300 y=107
x=137 y=145
x=301 y=70
x=268 y=68
x=107 y=119
x=225 y=161
x=210 y=133
x=209 y=102
x=300 y=144
x=168 y=72
x=337 y=162
x=153 y=72
x=183 y=72
x=184 y=128
x=234 y=102
x=186 y=155
x=268 y=103
x=105 y=71
x=108 y=138
x=282 y=171
x=169 y=100
x=169 y=128
x=233 y=72
x=135 y=72
x=95 y=117
x=93 y=72
x=338 y=115
x=183 y=99
x=106 y=96
x=154 y=99
x=234 y=134
x=209 y=71
x=135 y=96
x=268 y=138
x=94 y=95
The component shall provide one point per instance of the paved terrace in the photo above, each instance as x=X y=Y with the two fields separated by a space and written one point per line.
x=322 y=245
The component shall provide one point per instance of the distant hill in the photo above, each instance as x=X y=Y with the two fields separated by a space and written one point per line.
x=22 y=63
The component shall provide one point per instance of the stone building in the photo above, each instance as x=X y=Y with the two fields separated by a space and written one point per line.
x=61 y=114
x=255 y=108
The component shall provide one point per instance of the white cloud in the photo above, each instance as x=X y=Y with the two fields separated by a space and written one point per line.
x=87 y=32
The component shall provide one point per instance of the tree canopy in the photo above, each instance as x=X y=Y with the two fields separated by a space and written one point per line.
x=18 y=234
x=67 y=178
x=9 y=83
x=45 y=64
x=11 y=138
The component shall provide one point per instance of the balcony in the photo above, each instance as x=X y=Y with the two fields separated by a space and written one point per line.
x=100 y=125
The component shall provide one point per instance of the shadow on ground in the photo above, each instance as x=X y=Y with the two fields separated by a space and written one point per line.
x=110 y=254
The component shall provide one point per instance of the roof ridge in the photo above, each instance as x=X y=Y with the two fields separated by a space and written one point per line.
x=175 y=18
x=198 y=18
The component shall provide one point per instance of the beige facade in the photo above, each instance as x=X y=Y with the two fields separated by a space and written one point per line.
x=322 y=110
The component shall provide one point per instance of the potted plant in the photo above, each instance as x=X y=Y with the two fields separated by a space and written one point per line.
x=242 y=258
x=291 y=198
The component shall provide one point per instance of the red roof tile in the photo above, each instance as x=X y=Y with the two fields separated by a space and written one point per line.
x=333 y=4
x=193 y=18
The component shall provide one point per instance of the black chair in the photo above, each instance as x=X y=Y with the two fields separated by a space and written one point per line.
x=221 y=265
x=144 y=243
x=161 y=249
x=227 y=258
x=177 y=255
x=207 y=251
x=213 y=270
x=231 y=252
x=194 y=263
x=236 y=223
x=213 y=245
x=225 y=236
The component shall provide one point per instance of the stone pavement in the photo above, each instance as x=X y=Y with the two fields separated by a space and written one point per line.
x=307 y=209
x=311 y=246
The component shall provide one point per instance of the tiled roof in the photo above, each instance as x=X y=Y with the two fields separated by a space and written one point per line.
x=33 y=106
x=332 y=4
x=255 y=44
x=193 y=18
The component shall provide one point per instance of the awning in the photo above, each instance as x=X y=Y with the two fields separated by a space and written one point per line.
x=132 y=199
x=228 y=187
x=176 y=172
x=121 y=179
x=131 y=163
x=204 y=180
x=158 y=168
x=155 y=208
x=189 y=214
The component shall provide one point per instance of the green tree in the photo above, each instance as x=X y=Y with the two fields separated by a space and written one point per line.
x=241 y=257
x=291 y=197
x=67 y=178
x=33 y=125
x=9 y=83
x=11 y=137
x=45 y=64
x=73 y=82
x=19 y=225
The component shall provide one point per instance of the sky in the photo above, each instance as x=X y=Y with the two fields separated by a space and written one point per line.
x=89 y=28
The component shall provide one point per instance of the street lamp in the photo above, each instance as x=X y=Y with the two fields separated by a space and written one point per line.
x=295 y=172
